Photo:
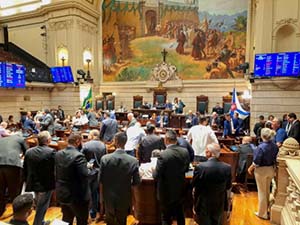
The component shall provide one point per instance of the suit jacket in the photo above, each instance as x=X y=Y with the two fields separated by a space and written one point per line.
x=227 y=128
x=10 y=149
x=148 y=144
x=118 y=172
x=71 y=176
x=48 y=123
x=170 y=175
x=244 y=150
x=92 y=149
x=210 y=181
x=186 y=145
x=109 y=129
x=39 y=169
x=294 y=131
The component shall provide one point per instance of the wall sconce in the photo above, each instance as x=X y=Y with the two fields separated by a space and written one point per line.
x=87 y=59
x=63 y=56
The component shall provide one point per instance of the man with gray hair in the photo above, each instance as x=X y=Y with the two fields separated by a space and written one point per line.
x=39 y=175
x=211 y=180
x=170 y=175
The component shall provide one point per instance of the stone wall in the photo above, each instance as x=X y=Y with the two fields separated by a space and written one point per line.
x=37 y=97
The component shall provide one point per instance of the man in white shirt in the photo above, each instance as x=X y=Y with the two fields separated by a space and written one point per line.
x=146 y=169
x=134 y=136
x=200 y=136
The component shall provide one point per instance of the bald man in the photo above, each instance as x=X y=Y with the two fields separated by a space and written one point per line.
x=211 y=181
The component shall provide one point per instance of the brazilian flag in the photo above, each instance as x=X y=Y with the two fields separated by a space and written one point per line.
x=88 y=101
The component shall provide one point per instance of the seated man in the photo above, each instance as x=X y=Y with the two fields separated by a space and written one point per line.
x=22 y=208
x=3 y=131
x=146 y=169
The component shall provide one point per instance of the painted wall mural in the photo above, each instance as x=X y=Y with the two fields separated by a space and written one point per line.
x=205 y=39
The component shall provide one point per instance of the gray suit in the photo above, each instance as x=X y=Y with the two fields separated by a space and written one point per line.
x=109 y=129
x=48 y=123
x=92 y=119
x=10 y=167
x=118 y=172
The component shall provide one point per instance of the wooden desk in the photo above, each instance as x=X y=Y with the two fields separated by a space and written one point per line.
x=177 y=121
x=149 y=112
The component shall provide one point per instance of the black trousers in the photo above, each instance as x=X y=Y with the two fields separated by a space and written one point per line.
x=79 y=210
x=10 y=180
x=170 y=212
x=115 y=216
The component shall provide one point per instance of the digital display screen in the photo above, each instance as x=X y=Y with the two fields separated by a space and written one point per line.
x=12 y=75
x=277 y=64
x=62 y=74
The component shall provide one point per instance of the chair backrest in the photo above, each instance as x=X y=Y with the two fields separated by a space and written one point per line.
x=137 y=101
x=110 y=102
x=226 y=103
x=100 y=103
x=202 y=104
x=160 y=96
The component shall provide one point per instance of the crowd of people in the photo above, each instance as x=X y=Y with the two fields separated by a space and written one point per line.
x=89 y=182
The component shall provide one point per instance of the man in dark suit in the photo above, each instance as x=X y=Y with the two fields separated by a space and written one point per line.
x=11 y=149
x=93 y=150
x=39 y=175
x=60 y=113
x=48 y=122
x=118 y=172
x=149 y=143
x=72 y=182
x=211 y=180
x=170 y=175
x=293 y=127
x=109 y=128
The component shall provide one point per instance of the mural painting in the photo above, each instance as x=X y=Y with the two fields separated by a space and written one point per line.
x=205 y=39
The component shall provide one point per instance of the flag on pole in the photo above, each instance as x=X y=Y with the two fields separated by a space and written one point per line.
x=236 y=106
x=88 y=101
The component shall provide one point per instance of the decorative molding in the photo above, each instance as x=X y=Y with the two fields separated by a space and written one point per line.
x=86 y=27
x=286 y=21
x=61 y=25
x=90 y=1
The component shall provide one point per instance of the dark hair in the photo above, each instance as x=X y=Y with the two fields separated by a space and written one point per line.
x=150 y=128
x=292 y=115
x=10 y=117
x=47 y=111
x=261 y=117
x=74 y=137
x=120 y=139
x=22 y=203
x=202 y=119
x=171 y=135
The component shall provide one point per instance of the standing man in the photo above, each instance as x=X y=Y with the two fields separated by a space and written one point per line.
x=72 y=182
x=134 y=137
x=61 y=113
x=280 y=135
x=211 y=180
x=200 y=136
x=11 y=150
x=93 y=151
x=109 y=128
x=118 y=172
x=39 y=175
x=47 y=122
x=131 y=119
x=170 y=175
x=293 y=127
x=149 y=143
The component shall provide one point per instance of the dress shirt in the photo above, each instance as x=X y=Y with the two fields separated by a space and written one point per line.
x=146 y=169
x=134 y=137
x=201 y=136
x=265 y=154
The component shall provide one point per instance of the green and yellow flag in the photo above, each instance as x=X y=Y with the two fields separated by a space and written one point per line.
x=88 y=101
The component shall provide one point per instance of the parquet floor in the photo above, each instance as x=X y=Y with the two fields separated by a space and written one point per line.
x=244 y=206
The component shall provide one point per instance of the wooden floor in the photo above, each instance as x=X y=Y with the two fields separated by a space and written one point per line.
x=244 y=206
